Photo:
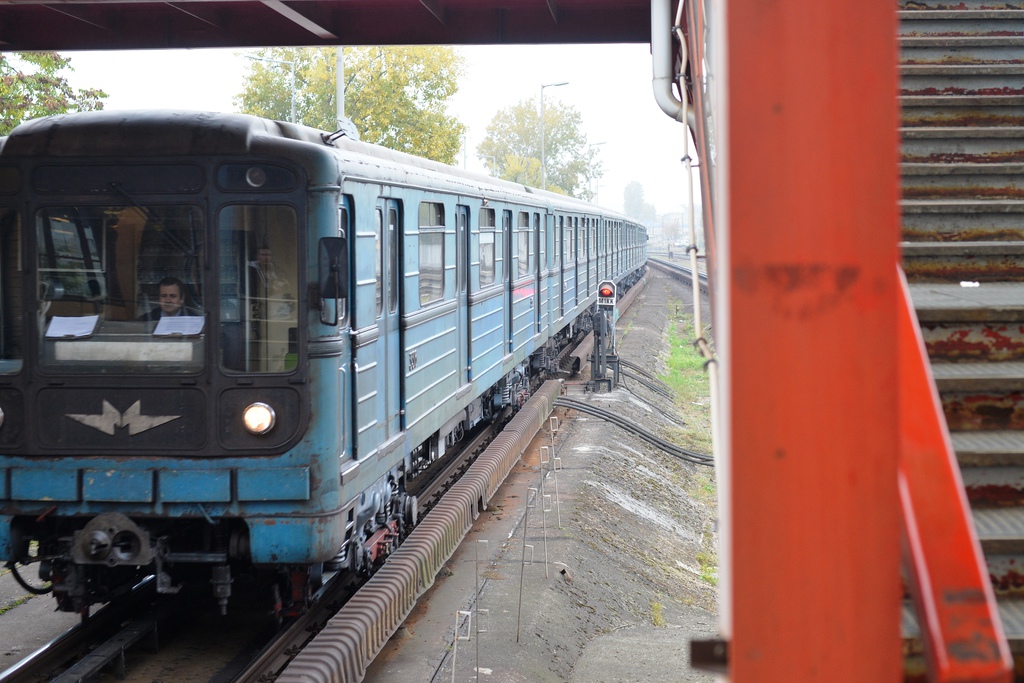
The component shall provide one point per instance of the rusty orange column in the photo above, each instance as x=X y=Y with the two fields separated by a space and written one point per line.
x=813 y=222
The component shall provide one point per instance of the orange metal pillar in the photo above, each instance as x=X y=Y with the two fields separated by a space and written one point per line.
x=811 y=353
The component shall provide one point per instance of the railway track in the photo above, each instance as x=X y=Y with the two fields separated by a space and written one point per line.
x=962 y=168
x=682 y=273
x=102 y=642
x=616 y=419
x=101 y=626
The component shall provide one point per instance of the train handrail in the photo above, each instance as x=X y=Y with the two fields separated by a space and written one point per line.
x=959 y=621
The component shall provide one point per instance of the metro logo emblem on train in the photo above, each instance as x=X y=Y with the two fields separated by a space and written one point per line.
x=110 y=419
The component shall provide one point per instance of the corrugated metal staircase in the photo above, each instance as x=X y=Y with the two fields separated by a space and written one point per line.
x=962 y=159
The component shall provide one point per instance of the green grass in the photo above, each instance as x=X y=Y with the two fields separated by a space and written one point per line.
x=687 y=378
x=708 y=567
x=16 y=603
x=685 y=366
x=657 y=614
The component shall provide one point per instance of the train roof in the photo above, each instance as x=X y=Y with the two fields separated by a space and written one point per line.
x=191 y=133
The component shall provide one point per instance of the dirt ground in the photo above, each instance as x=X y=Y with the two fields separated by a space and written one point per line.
x=630 y=543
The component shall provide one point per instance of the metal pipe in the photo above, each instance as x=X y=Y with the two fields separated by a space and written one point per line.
x=661 y=61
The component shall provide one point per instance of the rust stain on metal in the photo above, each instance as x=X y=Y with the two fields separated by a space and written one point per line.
x=994 y=342
x=965 y=235
x=912 y=5
x=1008 y=580
x=964 y=158
x=994 y=495
x=960 y=59
x=978 y=411
x=964 y=119
x=960 y=34
x=955 y=90
x=923 y=269
x=963 y=192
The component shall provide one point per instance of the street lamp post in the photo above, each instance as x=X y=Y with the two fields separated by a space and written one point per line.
x=292 y=81
x=543 y=160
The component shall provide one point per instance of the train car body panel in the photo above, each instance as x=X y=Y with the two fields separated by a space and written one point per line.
x=348 y=314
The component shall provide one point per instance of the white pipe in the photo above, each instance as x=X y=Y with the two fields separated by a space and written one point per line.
x=661 y=60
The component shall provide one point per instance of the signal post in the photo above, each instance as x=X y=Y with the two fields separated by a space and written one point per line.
x=604 y=357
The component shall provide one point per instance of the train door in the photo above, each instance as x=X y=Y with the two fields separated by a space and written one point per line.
x=540 y=303
x=589 y=263
x=461 y=277
x=508 y=239
x=389 y=343
x=560 y=266
x=577 y=239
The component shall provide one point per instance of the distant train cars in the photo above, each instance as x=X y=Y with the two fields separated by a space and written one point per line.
x=227 y=344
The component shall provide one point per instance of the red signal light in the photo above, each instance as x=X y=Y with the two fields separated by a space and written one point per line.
x=606 y=292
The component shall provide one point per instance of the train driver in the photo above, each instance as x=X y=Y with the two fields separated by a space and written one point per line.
x=172 y=300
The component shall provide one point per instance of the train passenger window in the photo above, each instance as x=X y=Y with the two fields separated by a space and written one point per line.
x=12 y=322
x=539 y=245
x=431 y=237
x=506 y=239
x=487 y=264
x=560 y=242
x=108 y=276
x=378 y=259
x=577 y=238
x=523 y=245
x=259 y=278
x=392 y=258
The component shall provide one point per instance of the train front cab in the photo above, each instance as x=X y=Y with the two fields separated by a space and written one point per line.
x=125 y=445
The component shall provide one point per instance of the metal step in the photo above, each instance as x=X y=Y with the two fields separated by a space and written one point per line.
x=955 y=262
x=989 y=449
x=951 y=145
x=960 y=180
x=990 y=302
x=967 y=341
x=982 y=376
x=948 y=220
x=1000 y=529
x=1011 y=613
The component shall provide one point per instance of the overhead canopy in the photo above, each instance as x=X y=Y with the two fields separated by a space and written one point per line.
x=113 y=24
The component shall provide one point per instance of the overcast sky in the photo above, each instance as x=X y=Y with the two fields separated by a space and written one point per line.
x=610 y=85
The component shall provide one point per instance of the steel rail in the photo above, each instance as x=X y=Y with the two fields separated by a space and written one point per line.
x=679 y=272
x=653 y=386
x=618 y=420
x=352 y=638
x=107 y=621
x=636 y=367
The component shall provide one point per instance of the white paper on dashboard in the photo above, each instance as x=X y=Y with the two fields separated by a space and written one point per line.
x=179 y=326
x=62 y=326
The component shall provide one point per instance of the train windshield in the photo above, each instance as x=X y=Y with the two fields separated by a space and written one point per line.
x=120 y=288
x=259 y=281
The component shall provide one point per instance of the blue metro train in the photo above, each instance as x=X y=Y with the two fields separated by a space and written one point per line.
x=227 y=344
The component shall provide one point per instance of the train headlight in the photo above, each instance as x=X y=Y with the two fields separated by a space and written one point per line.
x=259 y=418
x=256 y=176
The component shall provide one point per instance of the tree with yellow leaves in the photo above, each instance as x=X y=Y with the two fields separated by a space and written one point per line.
x=33 y=84
x=396 y=96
